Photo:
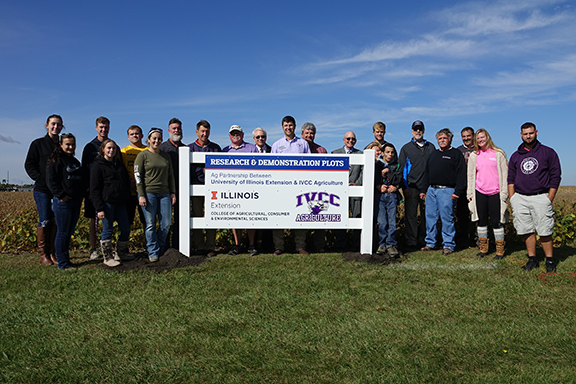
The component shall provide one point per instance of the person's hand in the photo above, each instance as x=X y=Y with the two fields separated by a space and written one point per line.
x=173 y=198
x=384 y=172
x=142 y=201
x=454 y=197
x=422 y=196
x=101 y=215
x=392 y=189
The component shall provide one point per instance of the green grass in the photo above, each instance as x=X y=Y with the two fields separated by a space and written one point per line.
x=291 y=319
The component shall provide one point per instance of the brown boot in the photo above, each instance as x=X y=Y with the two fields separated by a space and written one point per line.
x=108 y=253
x=483 y=245
x=51 y=238
x=41 y=238
x=499 y=249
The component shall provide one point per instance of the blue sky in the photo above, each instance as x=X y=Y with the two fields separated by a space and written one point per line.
x=341 y=65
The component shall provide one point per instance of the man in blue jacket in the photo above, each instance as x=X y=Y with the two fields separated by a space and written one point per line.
x=534 y=176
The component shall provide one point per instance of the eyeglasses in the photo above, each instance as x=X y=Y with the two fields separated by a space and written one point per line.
x=350 y=138
x=260 y=137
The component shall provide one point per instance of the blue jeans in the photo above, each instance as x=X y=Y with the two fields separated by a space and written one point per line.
x=387 y=207
x=115 y=212
x=157 y=205
x=44 y=206
x=67 y=213
x=439 y=203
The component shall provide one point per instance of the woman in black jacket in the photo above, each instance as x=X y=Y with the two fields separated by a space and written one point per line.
x=35 y=165
x=65 y=181
x=109 y=192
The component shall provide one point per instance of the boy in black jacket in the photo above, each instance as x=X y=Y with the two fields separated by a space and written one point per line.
x=388 y=179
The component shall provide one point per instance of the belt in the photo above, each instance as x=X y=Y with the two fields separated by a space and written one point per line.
x=440 y=186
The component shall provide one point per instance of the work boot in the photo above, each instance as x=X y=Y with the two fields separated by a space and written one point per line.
x=108 y=254
x=392 y=251
x=499 y=249
x=41 y=238
x=50 y=240
x=483 y=245
x=123 y=252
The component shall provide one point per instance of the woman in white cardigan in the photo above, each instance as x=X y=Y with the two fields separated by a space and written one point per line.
x=488 y=191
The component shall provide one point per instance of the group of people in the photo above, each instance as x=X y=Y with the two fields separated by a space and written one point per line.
x=471 y=183
x=452 y=185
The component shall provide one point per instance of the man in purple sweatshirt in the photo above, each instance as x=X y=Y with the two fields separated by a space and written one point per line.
x=202 y=144
x=534 y=176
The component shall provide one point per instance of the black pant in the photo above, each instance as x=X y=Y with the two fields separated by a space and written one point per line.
x=488 y=206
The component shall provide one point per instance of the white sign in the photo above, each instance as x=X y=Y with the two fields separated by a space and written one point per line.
x=276 y=191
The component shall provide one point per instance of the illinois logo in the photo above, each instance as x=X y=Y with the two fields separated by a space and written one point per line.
x=529 y=165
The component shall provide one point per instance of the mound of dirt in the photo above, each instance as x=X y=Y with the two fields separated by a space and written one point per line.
x=170 y=260
x=370 y=259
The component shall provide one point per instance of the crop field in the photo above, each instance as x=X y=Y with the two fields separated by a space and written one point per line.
x=19 y=218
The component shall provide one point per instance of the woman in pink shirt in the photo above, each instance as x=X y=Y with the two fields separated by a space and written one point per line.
x=488 y=191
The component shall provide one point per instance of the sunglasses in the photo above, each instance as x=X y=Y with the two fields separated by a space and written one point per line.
x=259 y=137
x=350 y=139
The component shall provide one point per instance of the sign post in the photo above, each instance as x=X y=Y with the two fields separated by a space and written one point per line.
x=276 y=191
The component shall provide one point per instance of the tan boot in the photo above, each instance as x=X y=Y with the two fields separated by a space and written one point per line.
x=106 y=246
x=41 y=238
x=123 y=252
x=499 y=249
x=483 y=245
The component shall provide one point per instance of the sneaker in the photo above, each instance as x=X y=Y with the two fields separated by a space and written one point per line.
x=427 y=248
x=234 y=251
x=278 y=252
x=447 y=251
x=211 y=254
x=531 y=264
x=392 y=251
x=94 y=254
x=252 y=250
x=69 y=268
x=153 y=259
x=550 y=266
x=381 y=250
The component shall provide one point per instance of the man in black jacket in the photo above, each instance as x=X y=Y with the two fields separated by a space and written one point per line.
x=446 y=179
x=413 y=158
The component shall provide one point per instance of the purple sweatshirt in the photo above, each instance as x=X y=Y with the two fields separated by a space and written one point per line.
x=197 y=170
x=534 y=171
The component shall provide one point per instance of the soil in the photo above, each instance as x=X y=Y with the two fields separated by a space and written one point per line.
x=173 y=259
x=170 y=260
x=384 y=259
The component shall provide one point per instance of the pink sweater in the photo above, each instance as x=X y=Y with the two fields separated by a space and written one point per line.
x=487 y=181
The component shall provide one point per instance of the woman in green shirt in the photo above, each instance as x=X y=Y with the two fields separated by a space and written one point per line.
x=156 y=193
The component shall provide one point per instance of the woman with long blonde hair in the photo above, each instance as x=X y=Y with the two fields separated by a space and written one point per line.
x=487 y=191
